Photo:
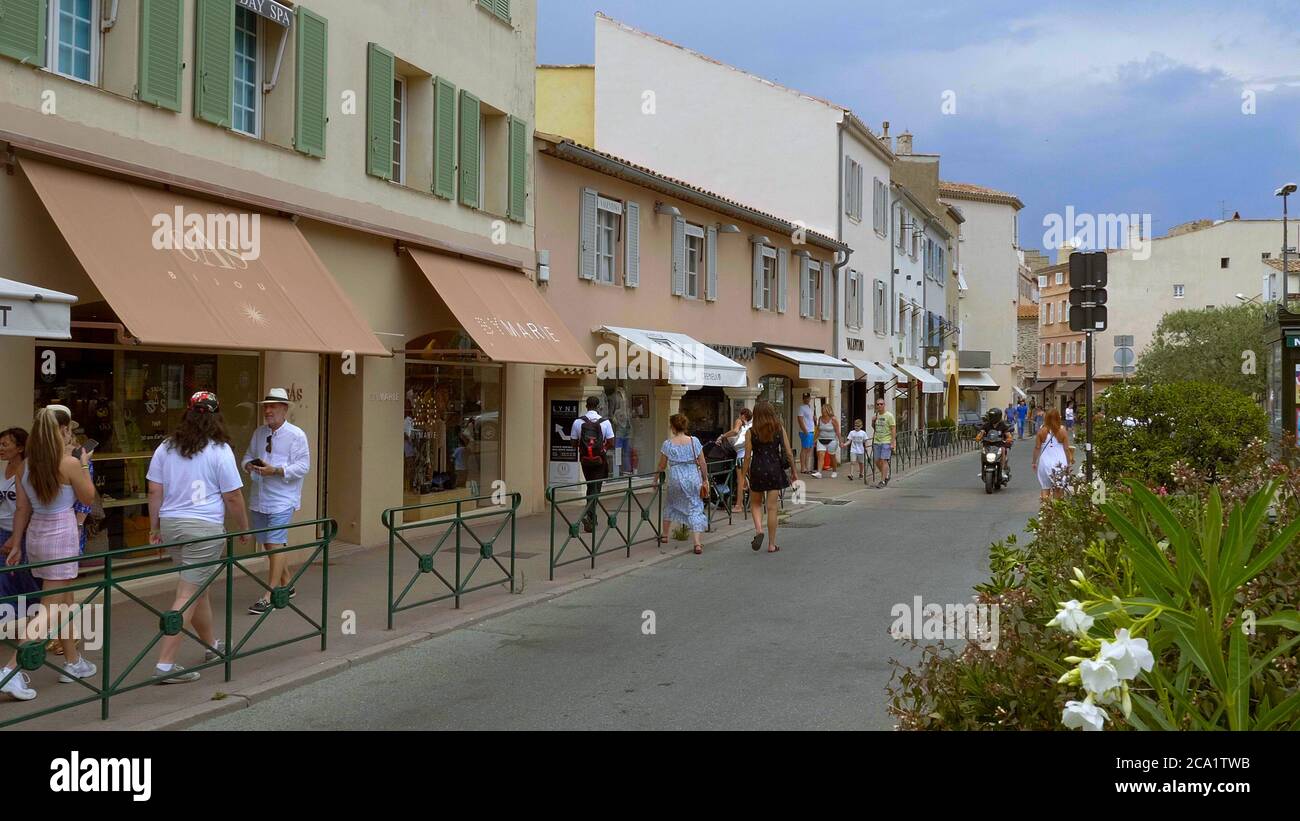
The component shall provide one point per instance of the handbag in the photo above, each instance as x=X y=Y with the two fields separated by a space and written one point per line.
x=785 y=459
x=704 y=477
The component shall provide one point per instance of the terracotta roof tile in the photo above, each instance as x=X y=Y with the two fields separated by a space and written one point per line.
x=980 y=193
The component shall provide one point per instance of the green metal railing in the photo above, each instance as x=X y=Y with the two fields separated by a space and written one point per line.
x=913 y=448
x=451 y=529
x=626 y=495
x=109 y=590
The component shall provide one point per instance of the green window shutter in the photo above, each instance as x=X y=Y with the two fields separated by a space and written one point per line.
x=311 y=73
x=214 y=61
x=502 y=9
x=444 y=138
x=161 y=45
x=379 y=112
x=470 y=154
x=22 y=30
x=518 y=169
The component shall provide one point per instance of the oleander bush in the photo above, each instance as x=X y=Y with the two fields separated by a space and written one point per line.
x=1128 y=613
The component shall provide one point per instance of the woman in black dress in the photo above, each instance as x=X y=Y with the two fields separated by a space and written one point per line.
x=767 y=458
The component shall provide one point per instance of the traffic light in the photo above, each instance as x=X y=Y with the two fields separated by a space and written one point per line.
x=1088 y=291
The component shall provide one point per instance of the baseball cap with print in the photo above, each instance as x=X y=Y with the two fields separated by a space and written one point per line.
x=204 y=402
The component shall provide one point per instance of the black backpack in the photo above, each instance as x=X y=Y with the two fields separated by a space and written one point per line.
x=591 y=442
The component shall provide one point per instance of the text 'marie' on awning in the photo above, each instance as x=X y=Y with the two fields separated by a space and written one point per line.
x=688 y=361
x=813 y=364
x=978 y=379
x=26 y=310
x=870 y=370
x=502 y=311
x=183 y=271
x=929 y=382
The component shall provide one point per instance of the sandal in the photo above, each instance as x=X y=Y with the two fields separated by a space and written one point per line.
x=663 y=540
x=774 y=549
x=757 y=542
x=699 y=549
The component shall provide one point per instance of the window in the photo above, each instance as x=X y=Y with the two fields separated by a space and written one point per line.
x=1060 y=277
x=1042 y=314
x=501 y=8
x=900 y=225
x=880 y=208
x=248 y=79
x=1069 y=353
x=769 y=295
x=73 y=39
x=879 y=319
x=853 y=189
x=399 y=129
x=609 y=218
x=1051 y=313
x=1042 y=281
x=1042 y=356
x=1223 y=262
x=695 y=263
x=1266 y=255
x=810 y=291
x=1178 y=292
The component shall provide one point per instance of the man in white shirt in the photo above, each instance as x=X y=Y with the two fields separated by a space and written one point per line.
x=277 y=459
x=807 y=425
x=594 y=464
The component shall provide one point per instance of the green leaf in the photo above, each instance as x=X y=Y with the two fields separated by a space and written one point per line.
x=1288 y=708
x=1179 y=538
x=1266 y=556
x=1290 y=619
x=1237 y=693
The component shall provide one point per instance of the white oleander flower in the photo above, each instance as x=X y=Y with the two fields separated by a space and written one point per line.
x=1083 y=715
x=1098 y=676
x=1072 y=618
x=1128 y=655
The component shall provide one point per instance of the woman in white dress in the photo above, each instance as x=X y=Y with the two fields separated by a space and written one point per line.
x=1052 y=462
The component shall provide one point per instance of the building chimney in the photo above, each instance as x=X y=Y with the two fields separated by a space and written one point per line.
x=905 y=143
x=884 y=135
x=1063 y=253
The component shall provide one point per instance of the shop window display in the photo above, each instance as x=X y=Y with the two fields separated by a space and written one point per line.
x=707 y=410
x=626 y=404
x=452 y=422
x=777 y=390
x=130 y=400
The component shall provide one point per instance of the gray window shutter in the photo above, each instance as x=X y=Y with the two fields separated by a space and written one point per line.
x=587 y=243
x=711 y=255
x=679 y=256
x=803 y=286
x=782 y=274
x=862 y=300
x=828 y=291
x=758 y=275
x=632 y=266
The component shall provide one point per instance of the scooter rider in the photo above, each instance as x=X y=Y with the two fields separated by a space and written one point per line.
x=993 y=422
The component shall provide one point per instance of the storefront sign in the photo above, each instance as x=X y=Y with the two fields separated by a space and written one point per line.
x=740 y=352
x=563 y=414
x=269 y=9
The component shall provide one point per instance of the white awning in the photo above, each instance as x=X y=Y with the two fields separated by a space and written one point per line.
x=689 y=361
x=929 y=382
x=978 y=379
x=1020 y=392
x=814 y=364
x=961 y=282
x=872 y=371
x=894 y=373
x=26 y=310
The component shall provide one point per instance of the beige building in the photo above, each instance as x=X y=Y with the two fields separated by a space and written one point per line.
x=1062 y=360
x=686 y=301
x=316 y=196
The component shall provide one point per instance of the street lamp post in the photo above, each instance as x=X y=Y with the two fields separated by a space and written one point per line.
x=1285 y=339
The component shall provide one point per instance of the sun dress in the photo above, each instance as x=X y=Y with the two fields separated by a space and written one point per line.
x=765 y=471
x=1051 y=463
x=683 y=504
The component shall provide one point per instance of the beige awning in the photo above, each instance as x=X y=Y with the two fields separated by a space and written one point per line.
x=502 y=311
x=184 y=271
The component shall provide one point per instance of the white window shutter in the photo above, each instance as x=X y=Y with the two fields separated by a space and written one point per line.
x=632 y=266
x=848 y=186
x=862 y=300
x=679 y=256
x=828 y=292
x=587 y=241
x=711 y=255
x=804 y=286
x=758 y=276
x=782 y=275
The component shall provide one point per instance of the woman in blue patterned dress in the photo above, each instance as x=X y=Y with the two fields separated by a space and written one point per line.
x=683 y=457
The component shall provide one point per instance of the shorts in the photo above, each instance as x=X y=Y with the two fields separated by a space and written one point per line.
x=261 y=520
x=883 y=452
x=806 y=439
x=859 y=457
x=824 y=445
x=182 y=530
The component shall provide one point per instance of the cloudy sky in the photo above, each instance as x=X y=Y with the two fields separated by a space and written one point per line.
x=1107 y=106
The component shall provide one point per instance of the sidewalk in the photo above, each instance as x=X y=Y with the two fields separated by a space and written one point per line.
x=358 y=586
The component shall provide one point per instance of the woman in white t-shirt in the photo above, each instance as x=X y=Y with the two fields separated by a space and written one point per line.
x=194 y=484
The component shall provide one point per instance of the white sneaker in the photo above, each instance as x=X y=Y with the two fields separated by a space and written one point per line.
x=18 y=686
x=815 y=474
x=216 y=651
x=835 y=475
x=82 y=669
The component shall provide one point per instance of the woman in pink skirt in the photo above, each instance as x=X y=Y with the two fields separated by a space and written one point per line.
x=52 y=481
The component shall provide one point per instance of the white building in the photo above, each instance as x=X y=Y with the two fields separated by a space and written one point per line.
x=990 y=267
x=790 y=153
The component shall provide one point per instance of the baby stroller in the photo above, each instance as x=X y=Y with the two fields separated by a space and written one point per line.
x=720 y=461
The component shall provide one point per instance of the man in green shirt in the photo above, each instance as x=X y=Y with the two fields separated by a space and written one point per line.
x=882 y=444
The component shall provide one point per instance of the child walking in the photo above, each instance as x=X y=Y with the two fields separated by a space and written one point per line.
x=857 y=450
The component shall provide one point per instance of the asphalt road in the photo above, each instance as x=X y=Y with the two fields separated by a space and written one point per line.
x=792 y=640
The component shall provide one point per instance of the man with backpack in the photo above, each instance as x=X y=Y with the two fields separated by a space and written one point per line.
x=594 y=436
